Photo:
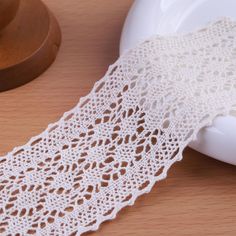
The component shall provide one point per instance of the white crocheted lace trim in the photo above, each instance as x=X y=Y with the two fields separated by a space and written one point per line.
x=121 y=138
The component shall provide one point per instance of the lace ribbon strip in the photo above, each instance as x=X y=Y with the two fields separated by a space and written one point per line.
x=122 y=137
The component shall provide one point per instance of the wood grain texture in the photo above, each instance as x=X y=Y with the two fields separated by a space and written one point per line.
x=199 y=195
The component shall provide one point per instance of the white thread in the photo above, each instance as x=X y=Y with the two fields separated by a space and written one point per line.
x=122 y=137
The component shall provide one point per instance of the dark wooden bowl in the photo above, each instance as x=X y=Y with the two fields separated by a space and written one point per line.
x=29 y=40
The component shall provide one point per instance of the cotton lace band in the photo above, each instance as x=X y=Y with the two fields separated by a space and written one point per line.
x=122 y=137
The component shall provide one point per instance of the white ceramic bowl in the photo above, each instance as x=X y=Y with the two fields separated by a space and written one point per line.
x=149 y=17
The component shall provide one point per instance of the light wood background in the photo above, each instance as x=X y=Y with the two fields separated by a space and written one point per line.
x=199 y=195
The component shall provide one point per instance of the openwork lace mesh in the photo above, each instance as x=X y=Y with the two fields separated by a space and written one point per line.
x=122 y=137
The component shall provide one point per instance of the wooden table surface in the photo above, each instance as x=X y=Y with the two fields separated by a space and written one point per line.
x=199 y=195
